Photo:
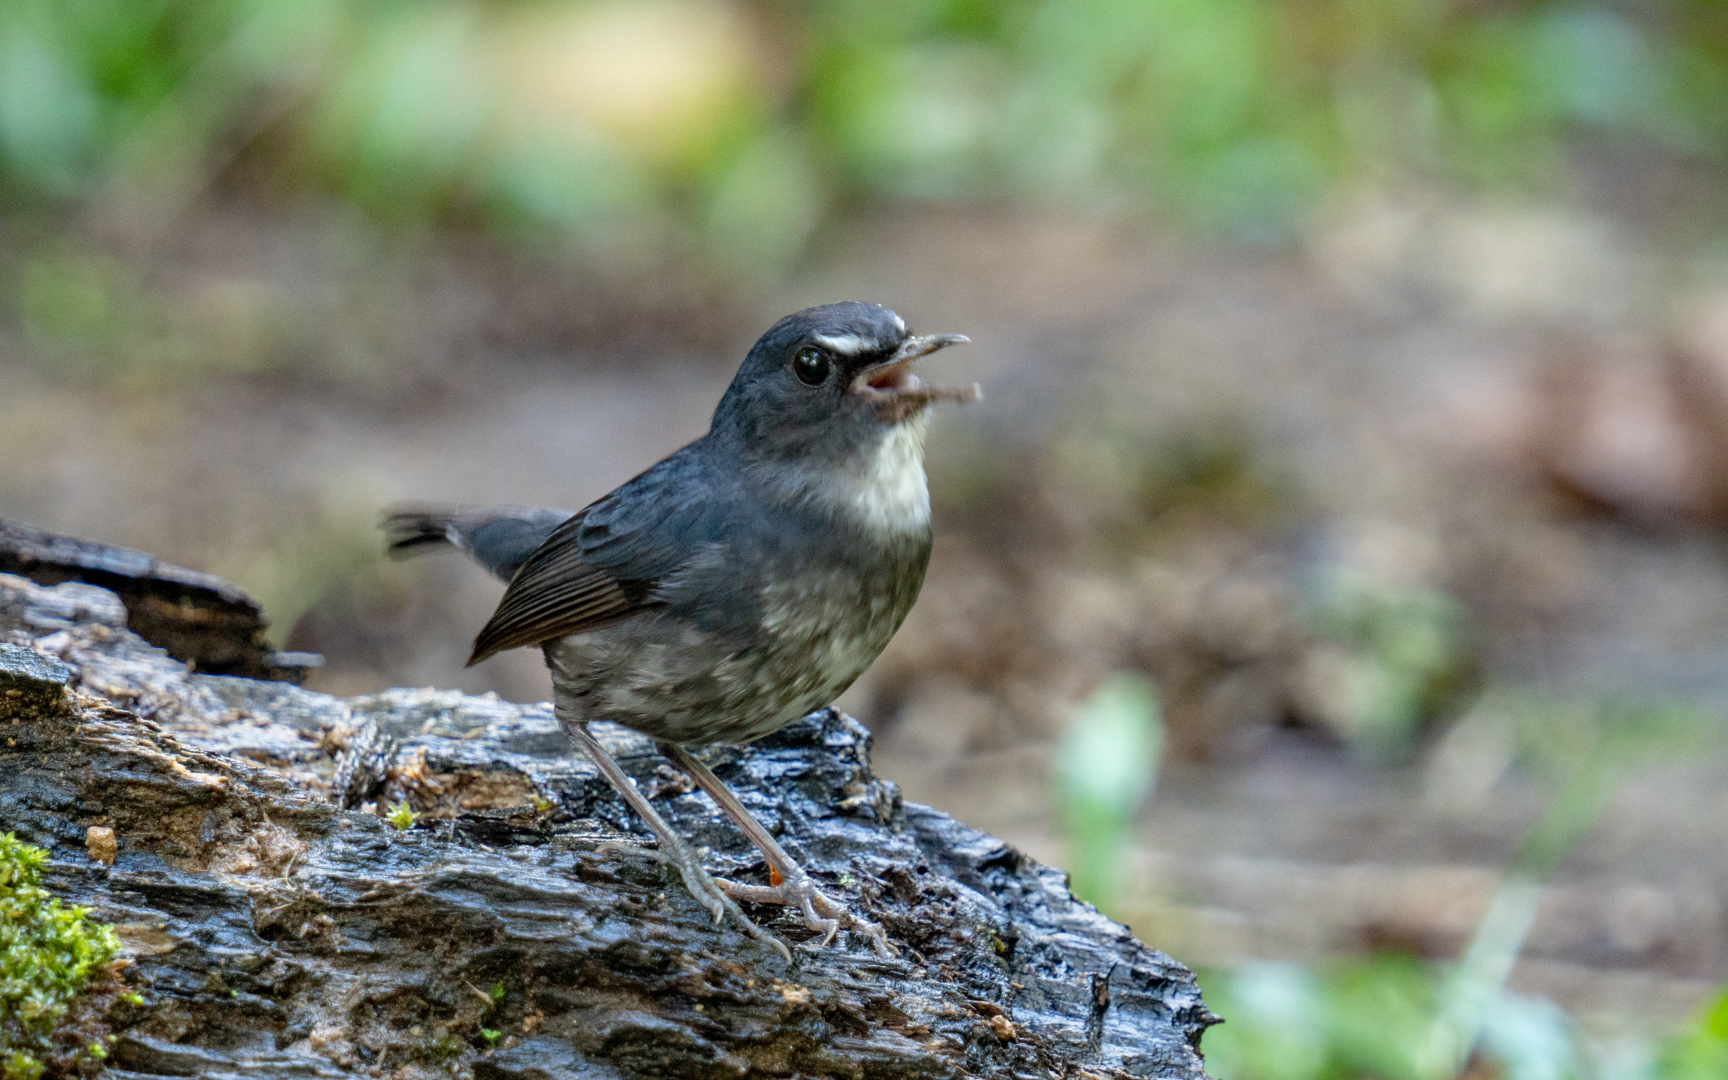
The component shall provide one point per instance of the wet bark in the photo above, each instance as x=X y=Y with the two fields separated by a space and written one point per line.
x=521 y=927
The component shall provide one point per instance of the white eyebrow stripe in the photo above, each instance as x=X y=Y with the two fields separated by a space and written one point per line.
x=900 y=323
x=846 y=344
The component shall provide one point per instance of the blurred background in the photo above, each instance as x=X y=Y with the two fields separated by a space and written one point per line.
x=1333 y=576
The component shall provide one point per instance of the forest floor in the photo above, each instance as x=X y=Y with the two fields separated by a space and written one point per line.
x=1174 y=442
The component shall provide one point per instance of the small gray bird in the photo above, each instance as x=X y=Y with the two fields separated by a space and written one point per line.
x=737 y=585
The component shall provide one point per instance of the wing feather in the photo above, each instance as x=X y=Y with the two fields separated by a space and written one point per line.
x=556 y=592
x=604 y=563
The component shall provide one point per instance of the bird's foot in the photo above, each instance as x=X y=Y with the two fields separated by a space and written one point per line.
x=710 y=893
x=672 y=850
x=821 y=912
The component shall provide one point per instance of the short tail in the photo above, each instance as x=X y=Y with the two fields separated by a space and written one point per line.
x=409 y=532
x=500 y=538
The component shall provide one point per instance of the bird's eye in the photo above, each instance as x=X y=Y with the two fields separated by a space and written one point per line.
x=811 y=366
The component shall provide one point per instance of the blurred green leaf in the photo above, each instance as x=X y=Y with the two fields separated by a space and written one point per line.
x=1531 y=1038
x=48 y=111
x=563 y=182
x=1379 y=1009
x=404 y=116
x=78 y=304
x=1275 y=1017
x=1106 y=767
x=1232 y=115
x=1368 y=1018
x=1391 y=1017
x=766 y=203
x=1700 y=1052
x=1405 y=655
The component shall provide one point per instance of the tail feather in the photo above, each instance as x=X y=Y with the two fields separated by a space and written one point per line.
x=408 y=531
x=500 y=538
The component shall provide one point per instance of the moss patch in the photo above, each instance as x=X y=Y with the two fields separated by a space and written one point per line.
x=58 y=976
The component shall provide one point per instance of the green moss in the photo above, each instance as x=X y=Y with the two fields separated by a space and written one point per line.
x=443 y=1044
x=50 y=957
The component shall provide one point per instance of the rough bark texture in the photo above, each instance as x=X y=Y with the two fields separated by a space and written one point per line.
x=200 y=619
x=522 y=927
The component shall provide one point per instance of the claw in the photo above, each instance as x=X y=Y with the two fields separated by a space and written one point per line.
x=820 y=912
x=829 y=926
x=709 y=892
x=788 y=884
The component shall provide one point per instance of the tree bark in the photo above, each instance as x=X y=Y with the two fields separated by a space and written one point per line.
x=521 y=926
x=198 y=618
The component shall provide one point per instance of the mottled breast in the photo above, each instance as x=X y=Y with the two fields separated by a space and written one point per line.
x=675 y=675
x=775 y=621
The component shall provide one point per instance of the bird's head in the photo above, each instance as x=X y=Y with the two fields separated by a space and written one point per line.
x=829 y=380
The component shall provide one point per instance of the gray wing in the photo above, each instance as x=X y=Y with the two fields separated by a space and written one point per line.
x=500 y=538
x=608 y=561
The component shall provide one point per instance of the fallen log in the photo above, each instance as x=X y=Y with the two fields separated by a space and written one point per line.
x=198 y=618
x=243 y=837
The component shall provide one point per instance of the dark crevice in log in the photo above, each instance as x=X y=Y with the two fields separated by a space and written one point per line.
x=198 y=618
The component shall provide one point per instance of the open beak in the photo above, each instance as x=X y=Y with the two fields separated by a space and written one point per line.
x=893 y=382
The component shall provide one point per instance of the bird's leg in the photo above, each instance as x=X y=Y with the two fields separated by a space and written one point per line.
x=701 y=884
x=794 y=888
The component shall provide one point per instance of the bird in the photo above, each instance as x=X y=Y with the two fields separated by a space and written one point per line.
x=740 y=583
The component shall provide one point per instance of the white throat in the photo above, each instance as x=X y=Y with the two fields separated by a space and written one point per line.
x=883 y=490
x=890 y=495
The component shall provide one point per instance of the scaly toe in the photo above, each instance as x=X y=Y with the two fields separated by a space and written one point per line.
x=621 y=847
x=821 y=913
x=829 y=927
x=710 y=895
